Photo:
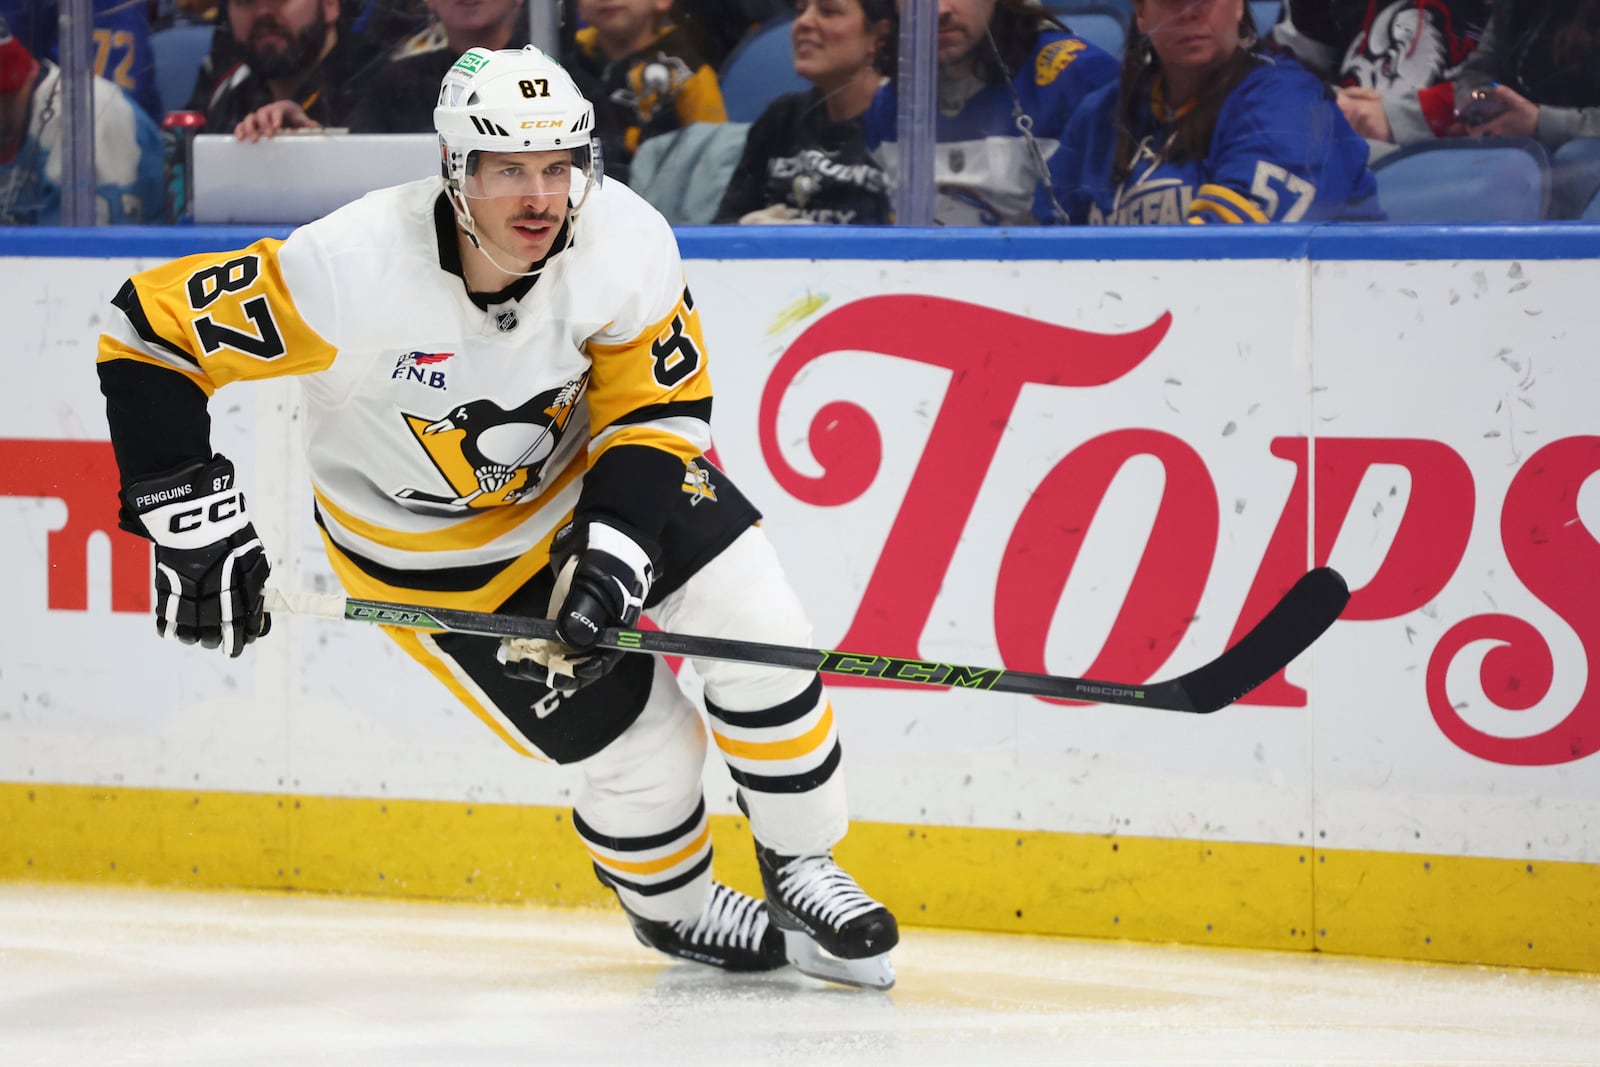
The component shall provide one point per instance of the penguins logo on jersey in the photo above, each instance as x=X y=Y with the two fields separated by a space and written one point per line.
x=697 y=483
x=488 y=456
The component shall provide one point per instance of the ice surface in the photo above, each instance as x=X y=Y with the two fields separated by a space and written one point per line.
x=105 y=976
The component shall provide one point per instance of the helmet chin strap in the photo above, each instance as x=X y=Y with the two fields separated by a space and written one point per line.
x=469 y=226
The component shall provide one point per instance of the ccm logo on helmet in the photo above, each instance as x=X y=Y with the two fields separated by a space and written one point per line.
x=543 y=124
x=220 y=510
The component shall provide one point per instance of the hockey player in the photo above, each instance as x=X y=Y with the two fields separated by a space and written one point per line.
x=1206 y=127
x=506 y=398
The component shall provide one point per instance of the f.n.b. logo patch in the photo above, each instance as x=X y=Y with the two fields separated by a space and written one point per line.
x=421 y=367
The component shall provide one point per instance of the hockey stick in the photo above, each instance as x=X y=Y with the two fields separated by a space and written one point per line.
x=1305 y=612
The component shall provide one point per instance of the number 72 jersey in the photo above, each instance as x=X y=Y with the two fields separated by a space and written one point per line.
x=444 y=433
x=1281 y=152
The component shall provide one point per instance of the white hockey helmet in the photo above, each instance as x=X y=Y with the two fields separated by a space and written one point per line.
x=513 y=100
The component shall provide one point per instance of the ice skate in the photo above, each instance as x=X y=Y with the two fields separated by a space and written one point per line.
x=831 y=929
x=733 y=932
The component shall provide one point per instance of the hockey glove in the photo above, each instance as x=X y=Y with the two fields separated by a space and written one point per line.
x=210 y=568
x=602 y=579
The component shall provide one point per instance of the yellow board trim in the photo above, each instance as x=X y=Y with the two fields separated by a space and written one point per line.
x=1446 y=908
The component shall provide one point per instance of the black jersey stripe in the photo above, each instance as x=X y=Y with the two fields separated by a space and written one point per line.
x=672 y=409
x=639 y=844
x=127 y=302
x=790 y=783
x=791 y=710
x=437 y=580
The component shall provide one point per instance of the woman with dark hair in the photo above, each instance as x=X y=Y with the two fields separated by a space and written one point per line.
x=1010 y=77
x=1205 y=126
x=804 y=159
x=1535 y=73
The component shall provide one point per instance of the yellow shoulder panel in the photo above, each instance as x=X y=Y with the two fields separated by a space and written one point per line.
x=233 y=312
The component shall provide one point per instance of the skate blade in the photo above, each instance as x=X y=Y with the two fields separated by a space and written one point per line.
x=808 y=957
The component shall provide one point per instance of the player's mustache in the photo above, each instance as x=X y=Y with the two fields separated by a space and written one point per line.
x=531 y=216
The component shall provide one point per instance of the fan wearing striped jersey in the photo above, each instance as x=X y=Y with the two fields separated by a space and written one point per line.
x=506 y=401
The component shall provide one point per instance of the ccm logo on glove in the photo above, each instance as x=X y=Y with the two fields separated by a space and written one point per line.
x=210 y=567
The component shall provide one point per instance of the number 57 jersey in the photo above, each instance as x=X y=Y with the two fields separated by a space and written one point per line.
x=1281 y=151
x=448 y=434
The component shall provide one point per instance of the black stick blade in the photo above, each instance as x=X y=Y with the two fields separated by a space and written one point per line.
x=1303 y=615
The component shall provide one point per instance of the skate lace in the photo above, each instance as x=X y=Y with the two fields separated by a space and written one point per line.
x=820 y=886
x=729 y=918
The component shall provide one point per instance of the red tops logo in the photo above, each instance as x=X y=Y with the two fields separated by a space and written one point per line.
x=991 y=355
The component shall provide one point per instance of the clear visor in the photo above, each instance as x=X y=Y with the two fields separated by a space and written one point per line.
x=561 y=174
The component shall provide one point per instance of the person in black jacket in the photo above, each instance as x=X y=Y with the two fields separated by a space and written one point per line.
x=1535 y=74
x=293 y=55
x=804 y=159
x=397 y=93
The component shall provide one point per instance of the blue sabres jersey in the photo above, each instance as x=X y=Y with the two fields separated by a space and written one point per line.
x=119 y=47
x=984 y=170
x=1281 y=152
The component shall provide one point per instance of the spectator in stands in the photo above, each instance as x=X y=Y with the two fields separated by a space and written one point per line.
x=1000 y=62
x=1535 y=74
x=290 y=50
x=398 y=93
x=1204 y=127
x=647 y=70
x=119 y=38
x=1392 y=61
x=805 y=159
x=129 y=185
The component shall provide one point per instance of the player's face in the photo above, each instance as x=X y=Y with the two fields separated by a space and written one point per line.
x=281 y=37
x=519 y=201
x=1190 y=35
x=832 y=41
x=473 y=16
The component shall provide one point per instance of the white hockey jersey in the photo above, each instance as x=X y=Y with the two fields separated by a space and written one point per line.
x=442 y=437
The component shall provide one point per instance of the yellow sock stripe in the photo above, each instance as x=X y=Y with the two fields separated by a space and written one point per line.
x=1238 y=201
x=791 y=748
x=655 y=866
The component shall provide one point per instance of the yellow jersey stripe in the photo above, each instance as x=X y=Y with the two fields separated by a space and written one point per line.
x=409 y=640
x=1209 y=207
x=655 y=866
x=358 y=583
x=480 y=528
x=112 y=349
x=651 y=437
x=1238 y=201
x=793 y=748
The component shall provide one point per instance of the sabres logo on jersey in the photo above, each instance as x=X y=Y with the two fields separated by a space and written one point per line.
x=418 y=367
x=1054 y=58
x=488 y=456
